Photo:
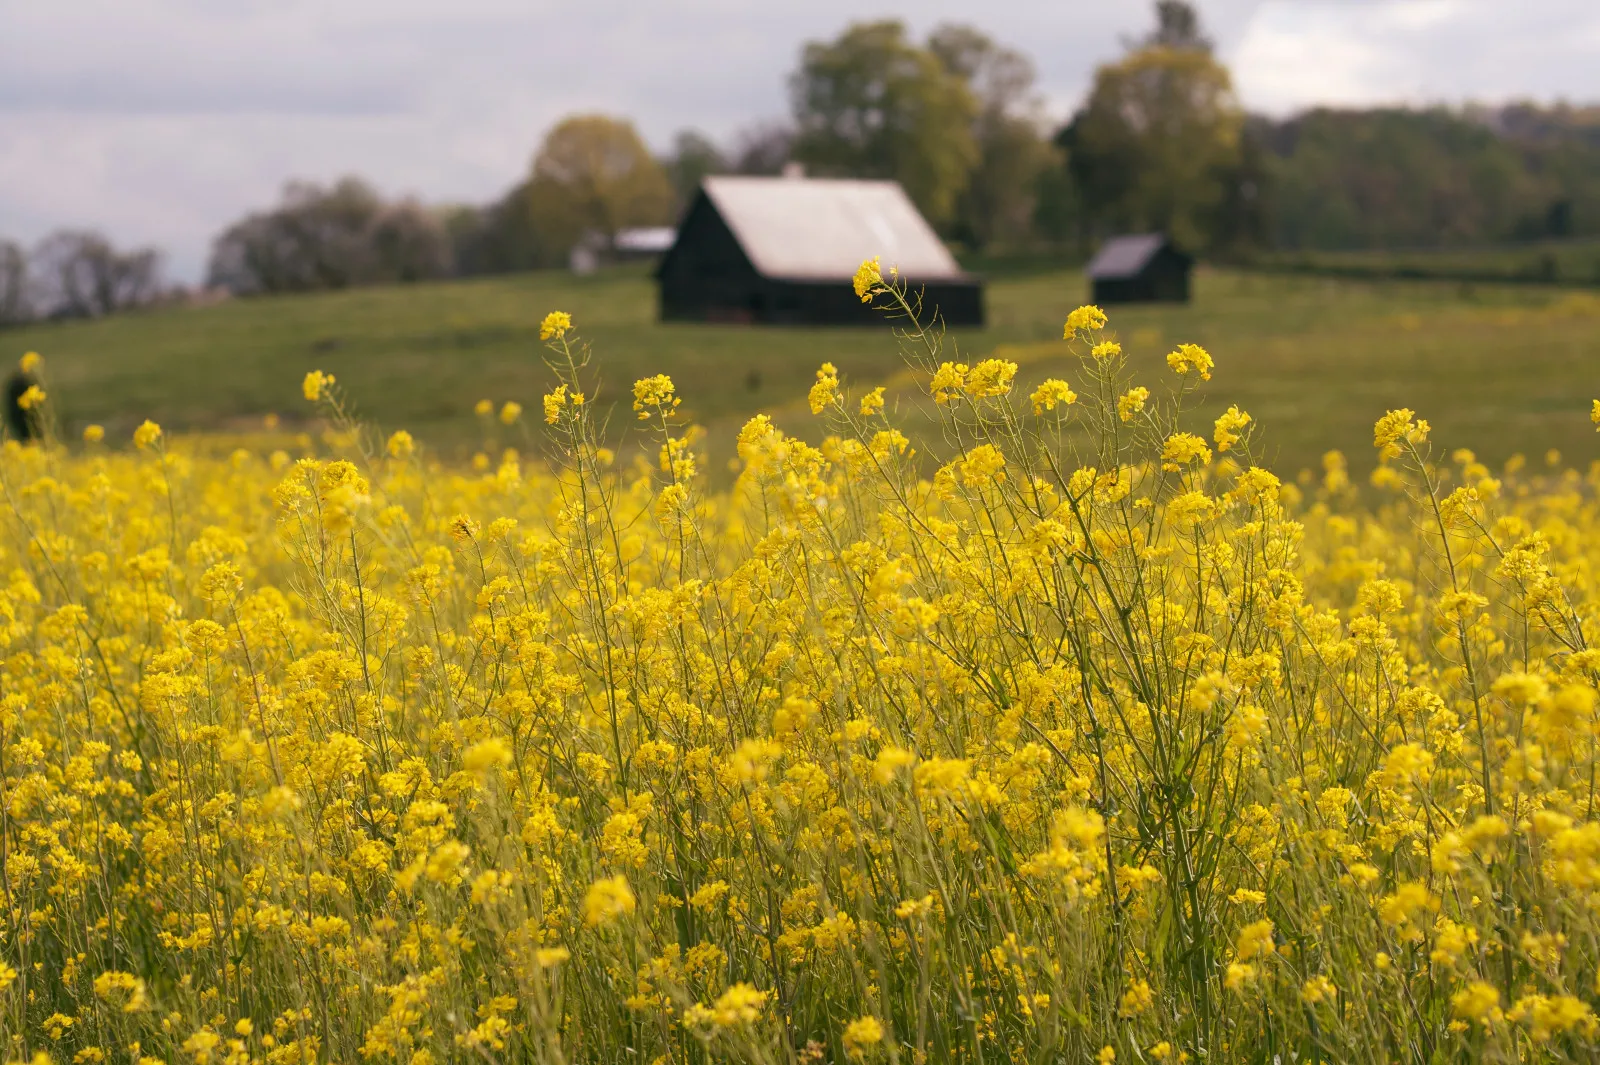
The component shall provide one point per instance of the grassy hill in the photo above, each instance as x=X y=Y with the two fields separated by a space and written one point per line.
x=1315 y=360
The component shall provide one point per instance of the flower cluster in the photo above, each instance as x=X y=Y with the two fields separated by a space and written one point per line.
x=1043 y=737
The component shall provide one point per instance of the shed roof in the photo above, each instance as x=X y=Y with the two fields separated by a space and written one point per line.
x=645 y=239
x=820 y=229
x=1125 y=256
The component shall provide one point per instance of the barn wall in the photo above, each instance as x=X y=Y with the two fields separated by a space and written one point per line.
x=757 y=300
x=836 y=303
x=958 y=303
x=1165 y=279
x=1170 y=276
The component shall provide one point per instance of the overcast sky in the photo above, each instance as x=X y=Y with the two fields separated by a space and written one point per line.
x=162 y=120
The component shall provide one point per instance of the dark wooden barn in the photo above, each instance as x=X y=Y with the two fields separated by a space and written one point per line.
x=1142 y=268
x=784 y=250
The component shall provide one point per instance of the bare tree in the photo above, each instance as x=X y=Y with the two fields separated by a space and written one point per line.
x=15 y=305
x=764 y=149
x=330 y=238
x=81 y=275
x=408 y=242
x=315 y=239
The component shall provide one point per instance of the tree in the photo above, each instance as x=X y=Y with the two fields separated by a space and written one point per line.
x=1242 y=220
x=693 y=157
x=765 y=148
x=1177 y=26
x=408 y=242
x=498 y=238
x=330 y=238
x=1400 y=178
x=1001 y=197
x=1057 y=209
x=1157 y=144
x=81 y=275
x=16 y=306
x=594 y=174
x=874 y=104
x=315 y=239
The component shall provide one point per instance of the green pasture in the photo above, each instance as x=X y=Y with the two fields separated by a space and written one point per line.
x=1501 y=370
x=1573 y=262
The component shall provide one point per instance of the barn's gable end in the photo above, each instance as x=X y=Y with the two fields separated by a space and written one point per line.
x=705 y=245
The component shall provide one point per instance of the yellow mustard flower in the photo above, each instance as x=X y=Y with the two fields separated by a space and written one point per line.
x=1085 y=319
x=868 y=280
x=316 y=385
x=146 y=435
x=555 y=326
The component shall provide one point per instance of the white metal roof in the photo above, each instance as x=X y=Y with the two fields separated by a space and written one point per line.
x=1124 y=256
x=822 y=228
x=645 y=238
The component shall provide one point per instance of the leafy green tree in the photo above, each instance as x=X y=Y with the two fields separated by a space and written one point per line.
x=497 y=238
x=874 y=104
x=1400 y=178
x=999 y=203
x=593 y=173
x=1157 y=143
x=694 y=156
x=1242 y=221
x=1058 y=208
x=1561 y=145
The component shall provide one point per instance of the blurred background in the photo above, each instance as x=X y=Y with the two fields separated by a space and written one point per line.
x=199 y=201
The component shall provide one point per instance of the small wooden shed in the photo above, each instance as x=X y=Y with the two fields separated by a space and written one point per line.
x=784 y=250
x=1140 y=268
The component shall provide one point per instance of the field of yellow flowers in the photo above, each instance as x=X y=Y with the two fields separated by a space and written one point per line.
x=1068 y=735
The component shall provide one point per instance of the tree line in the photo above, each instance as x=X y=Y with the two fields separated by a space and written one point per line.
x=1160 y=142
x=74 y=273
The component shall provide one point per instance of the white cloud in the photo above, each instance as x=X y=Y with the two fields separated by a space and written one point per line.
x=1298 y=53
x=162 y=120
